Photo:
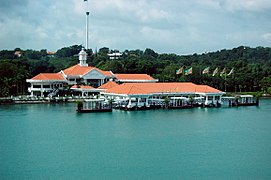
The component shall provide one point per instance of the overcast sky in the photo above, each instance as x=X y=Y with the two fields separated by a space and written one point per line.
x=166 y=26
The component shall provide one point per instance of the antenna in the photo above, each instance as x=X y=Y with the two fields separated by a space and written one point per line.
x=87 y=23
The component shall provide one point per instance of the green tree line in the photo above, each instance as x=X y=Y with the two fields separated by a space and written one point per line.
x=252 y=66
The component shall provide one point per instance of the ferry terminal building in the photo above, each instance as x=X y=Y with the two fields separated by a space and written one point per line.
x=135 y=89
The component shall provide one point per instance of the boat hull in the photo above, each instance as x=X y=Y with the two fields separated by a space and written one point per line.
x=93 y=110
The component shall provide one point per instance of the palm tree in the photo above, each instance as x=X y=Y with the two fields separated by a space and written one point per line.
x=79 y=105
x=110 y=101
x=167 y=100
x=191 y=100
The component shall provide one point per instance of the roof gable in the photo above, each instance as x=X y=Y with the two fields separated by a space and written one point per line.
x=206 y=89
x=48 y=76
x=108 y=85
x=136 y=90
x=93 y=74
x=135 y=78
x=127 y=88
x=78 y=70
x=106 y=73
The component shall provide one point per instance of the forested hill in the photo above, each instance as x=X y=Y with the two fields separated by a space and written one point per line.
x=251 y=66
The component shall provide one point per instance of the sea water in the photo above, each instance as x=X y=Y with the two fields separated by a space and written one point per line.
x=53 y=141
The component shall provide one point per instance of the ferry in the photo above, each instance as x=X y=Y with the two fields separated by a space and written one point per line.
x=246 y=100
x=242 y=100
x=93 y=105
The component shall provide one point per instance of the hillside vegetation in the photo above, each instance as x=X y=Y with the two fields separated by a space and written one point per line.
x=251 y=66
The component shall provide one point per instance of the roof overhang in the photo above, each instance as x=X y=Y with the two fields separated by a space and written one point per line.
x=173 y=93
x=245 y=96
x=45 y=81
x=114 y=94
x=86 y=90
x=137 y=80
x=179 y=98
x=211 y=94
x=127 y=95
x=73 y=76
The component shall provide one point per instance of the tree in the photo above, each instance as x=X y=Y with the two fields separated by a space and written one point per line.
x=104 y=50
x=69 y=51
x=6 y=54
x=265 y=83
x=12 y=78
x=150 y=53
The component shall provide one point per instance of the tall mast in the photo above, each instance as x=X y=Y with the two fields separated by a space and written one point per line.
x=87 y=23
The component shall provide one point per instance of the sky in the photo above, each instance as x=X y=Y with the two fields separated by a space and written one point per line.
x=166 y=26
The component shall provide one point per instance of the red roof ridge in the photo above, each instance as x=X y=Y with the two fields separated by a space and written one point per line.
x=134 y=76
x=108 y=85
x=48 y=76
x=78 y=70
x=135 y=90
x=148 y=88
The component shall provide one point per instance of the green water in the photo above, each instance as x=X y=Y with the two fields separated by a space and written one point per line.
x=52 y=141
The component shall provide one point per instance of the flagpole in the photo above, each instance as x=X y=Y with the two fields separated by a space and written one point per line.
x=87 y=24
x=225 y=84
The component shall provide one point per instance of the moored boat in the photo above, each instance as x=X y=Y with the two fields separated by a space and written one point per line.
x=242 y=100
x=93 y=105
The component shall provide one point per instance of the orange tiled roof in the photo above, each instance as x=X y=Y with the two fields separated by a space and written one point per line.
x=51 y=53
x=150 y=88
x=206 y=89
x=48 y=76
x=127 y=88
x=78 y=70
x=108 y=85
x=134 y=77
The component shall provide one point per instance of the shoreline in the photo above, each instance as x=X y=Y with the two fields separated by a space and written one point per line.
x=70 y=99
x=38 y=100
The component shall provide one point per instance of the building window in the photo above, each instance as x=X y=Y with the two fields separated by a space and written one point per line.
x=36 y=86
x=46 y=86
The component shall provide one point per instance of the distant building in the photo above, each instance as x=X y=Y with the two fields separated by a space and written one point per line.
x=114 y=55
x=84 y=74
x=132 y=95
x=45 y=83
x=18 y=53
x=48 y=84
x=51 y=54
x=134 y=90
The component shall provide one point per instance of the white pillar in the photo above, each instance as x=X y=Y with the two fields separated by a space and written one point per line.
x=206 y=100
x=31 y=89
x=147 y=101
x=86 y=105
x=41 y=90
x=129 y=102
